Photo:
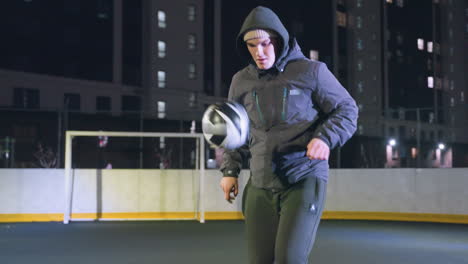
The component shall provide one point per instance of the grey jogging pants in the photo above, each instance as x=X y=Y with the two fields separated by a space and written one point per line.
x=281 y=226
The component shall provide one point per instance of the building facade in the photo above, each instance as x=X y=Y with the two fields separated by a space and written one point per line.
x=99 y=65
x=404 y=62
x=122 y=56
x=405 y=80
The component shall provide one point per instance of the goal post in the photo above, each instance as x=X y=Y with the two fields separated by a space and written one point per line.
x=199 y=163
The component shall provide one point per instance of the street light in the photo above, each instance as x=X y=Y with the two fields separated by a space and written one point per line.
x=441 y=146
x=392 y=142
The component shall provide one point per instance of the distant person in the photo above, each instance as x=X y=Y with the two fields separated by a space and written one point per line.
x=298 y=112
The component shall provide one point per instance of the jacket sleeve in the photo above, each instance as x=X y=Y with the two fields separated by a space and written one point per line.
x=339 y=107
x=233 y=159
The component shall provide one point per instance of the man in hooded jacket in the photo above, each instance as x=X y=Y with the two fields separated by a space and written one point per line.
x=298 y=111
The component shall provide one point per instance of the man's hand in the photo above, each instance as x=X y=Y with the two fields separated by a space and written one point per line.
x=317 y=149
x=229 y=185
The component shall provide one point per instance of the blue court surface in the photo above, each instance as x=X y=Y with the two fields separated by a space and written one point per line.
x=356 y=242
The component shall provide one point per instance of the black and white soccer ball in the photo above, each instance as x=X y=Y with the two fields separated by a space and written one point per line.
x=226 y=125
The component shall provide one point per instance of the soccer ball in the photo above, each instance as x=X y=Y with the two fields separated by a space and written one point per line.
x=226 y=125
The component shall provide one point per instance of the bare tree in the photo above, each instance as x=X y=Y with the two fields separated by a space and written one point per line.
x=46 y=158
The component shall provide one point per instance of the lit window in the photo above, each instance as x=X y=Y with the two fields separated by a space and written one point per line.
x=341 y=19
x=389 y=1
x=161 y=79
x=452 y=102
x=359 y=44
x=359 y=22
x=162 y=142
x=462 y=96
x=161 y=49
x=161 y=19
x=191 y=13
x=429 y=46
x=431 y=118
x=400 y=3
x=193 y=100
x=360 y=87
x=430 y=82
x=192 y=42
x=359 y=65
x=452 y=85
x=420 y=44
x=192 y=71
x=161 y=109
x=359 y=3
x=314 y=55
x=102 y=15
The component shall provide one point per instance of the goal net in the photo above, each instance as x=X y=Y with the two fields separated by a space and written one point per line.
x=134 y=176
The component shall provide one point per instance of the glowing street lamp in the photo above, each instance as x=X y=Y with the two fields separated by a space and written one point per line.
x=441 y=146
x=392 y=142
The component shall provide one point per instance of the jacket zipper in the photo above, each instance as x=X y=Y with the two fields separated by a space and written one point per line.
x=285 y=97
x=255 y=97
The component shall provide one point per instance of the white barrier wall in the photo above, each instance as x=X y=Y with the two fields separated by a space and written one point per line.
x=130 y=191
x=31 y=191
x=140 y=193
x=436 y=191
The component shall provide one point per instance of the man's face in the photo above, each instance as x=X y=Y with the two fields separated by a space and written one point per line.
x=262 y=51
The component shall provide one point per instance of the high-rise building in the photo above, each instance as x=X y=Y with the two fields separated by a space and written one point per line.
x=404 y=75
x=107 y=55
x=404 y=62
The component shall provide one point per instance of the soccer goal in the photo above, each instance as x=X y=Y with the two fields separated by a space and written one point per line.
x=145 y=179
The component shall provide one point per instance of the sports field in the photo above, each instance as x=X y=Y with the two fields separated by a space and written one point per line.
x=356 y=242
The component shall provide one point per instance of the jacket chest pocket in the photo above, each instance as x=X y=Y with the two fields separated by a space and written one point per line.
x=265 y=107
x=298 y=104
x=268 y=107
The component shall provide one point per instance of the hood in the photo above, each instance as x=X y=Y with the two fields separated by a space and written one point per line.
x=264 y=18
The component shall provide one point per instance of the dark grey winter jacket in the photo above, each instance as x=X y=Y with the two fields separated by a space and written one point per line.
x=296 y=100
